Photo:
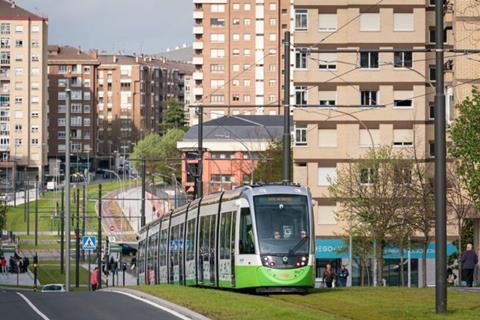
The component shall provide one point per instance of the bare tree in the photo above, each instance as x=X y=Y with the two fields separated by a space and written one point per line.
x=369 y=190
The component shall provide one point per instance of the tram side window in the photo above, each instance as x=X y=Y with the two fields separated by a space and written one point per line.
x=247 y=240
x=226 y=235
x=190 y=239
x=141 y=256
x=163 y=247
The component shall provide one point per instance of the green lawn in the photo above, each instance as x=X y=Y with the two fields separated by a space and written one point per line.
x=351 y=303
x=50 y=273
x=46 y=209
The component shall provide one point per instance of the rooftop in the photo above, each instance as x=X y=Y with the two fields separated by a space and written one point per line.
x=67 y=53
x=10 y=11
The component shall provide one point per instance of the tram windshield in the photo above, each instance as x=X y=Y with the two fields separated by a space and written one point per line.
x=282 y=224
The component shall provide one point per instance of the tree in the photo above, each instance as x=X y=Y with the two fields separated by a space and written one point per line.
x=3 y=214
x=270 y=168
x=160 y=154
x=370 y=190
x=465 y=145
x=174 y=117
x=459 y=204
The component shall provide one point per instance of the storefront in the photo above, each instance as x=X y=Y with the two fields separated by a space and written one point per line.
x=336 y=252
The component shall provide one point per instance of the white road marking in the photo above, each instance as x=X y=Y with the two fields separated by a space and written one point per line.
x=153 y=304
x=44 y=317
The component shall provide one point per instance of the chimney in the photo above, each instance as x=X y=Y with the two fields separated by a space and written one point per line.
x=12 y=4
x=114 y=59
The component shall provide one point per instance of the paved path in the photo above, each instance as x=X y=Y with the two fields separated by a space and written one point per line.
x=132 y=208
x=24 y=279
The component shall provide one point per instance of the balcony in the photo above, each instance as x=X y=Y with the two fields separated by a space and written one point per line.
x=197 y=14
x=198 y=61
x=4 y=147
x=197 y=45
x=197 y=30
x=198 y=91
x=197 y=76
x=4 y=76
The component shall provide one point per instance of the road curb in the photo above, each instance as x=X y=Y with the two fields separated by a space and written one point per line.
x=164 y=303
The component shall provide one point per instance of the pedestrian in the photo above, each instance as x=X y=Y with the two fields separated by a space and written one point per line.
x=329 y=276
x=11 y=263
x=4 y=264
x=94 y=279
x=26 y=263
x=342 y=276
x=469 y=260
x=451 y=277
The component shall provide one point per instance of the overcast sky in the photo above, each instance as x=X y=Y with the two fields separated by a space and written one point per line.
x=150 y=26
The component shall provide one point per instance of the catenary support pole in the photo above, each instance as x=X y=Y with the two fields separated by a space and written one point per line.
x=36 y=212
x=440 y=168
x=99 y=238
x=286 y=110
x=144 y=176
x=77 y=242
x=62 y=235
x=67 y=188
x=200 y=153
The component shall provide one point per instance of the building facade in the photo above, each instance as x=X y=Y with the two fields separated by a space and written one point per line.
x=23 y=92
x=233 y=145
x=238 y=55
x=132 y=92
x=68 y=66
x=364 y=79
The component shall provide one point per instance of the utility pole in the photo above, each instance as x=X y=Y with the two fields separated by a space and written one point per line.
x=36 y=212
x=286 y=110
x=67 y=187
x=27 y=206
x=77 y=243
x=199 y=177
x=440 y=168
x=62 y=234
x=25 y=189
x=144 y=173
x=84 y=213
x=99 y=238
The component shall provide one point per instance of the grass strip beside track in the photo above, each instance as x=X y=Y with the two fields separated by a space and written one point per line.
x=350 y=303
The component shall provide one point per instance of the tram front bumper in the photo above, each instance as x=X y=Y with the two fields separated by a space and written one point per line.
x=260 y=276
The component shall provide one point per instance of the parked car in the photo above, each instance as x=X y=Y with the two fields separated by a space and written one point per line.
x=54 y=287
x=127 y=249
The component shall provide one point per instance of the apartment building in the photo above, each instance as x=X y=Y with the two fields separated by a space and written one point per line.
x=132 y=92
x=361 y=97
x=23 y=99
x=68 y=66
x=238 y=55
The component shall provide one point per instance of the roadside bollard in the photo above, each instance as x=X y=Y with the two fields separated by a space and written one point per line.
x=124 y=268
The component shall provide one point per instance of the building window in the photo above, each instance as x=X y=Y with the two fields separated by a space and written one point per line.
x=327 y=176
x=61 y=135
x=35 y=44
x=402 y=59
x=369 y=98
x=273 y=22
x=4 y=43
x=217 y=22
x=236 y=21
x=431 y=111
x=62 y=68
x=35 y=141
x=246 y=83
x=61 y=122
x=236 y=36
x=246 y=98
x=35 y=58
x=403 y=22
x=327 y=61
x=218 y=8
x=236 y=6
x=19 y=71
x=217 y=37
x=432 y=74
x=247 y=7
x=301 y=57
x=368 y=175
x=18 y=100
x=272 y=6
x=215 y=84
x=217 y=98
x=236 y=97
x=35 y=28
x=272 y=67
x=370 y=22
x=301 y=19
x=247 y=52
x=217 y=53
x=18 y=29
x=35 y=129
x=86 y=122
x=18 y=142
x=4 y=28
x=403 y=137
x=18 y=43
x=369 y=60
x=76 y=108
x=301 y=136
x=327 y=22
x=300 y=96
x=431 y=148
x=236 y=52
x=327 y=98
x=246 y=22
x=236 y=67
x=247 y=37
x=403 y=99
x=18 y=128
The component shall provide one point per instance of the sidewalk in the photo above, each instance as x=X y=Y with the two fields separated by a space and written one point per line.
x=130 y=280
x=157 y=301
x=24 y=279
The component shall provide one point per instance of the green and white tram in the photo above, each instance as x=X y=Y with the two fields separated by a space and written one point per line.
x=253 y=237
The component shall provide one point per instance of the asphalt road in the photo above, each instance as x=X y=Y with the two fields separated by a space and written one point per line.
x=77 y=305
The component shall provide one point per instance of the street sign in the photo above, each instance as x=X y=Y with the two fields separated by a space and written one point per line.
x=111 y=238
x=89 y=243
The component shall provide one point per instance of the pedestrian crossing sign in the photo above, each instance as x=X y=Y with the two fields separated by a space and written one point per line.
x=89 y=243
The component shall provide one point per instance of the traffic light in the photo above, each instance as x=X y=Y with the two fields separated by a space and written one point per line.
x=35 y=261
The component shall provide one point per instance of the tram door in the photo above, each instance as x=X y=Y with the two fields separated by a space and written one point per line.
x=226 y=248
x=206 y=261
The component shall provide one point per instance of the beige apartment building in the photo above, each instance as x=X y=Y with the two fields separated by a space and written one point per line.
x=364 y=96
x=77 y=69
x=238 y=56
x=23 y=91
x=132 y=93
